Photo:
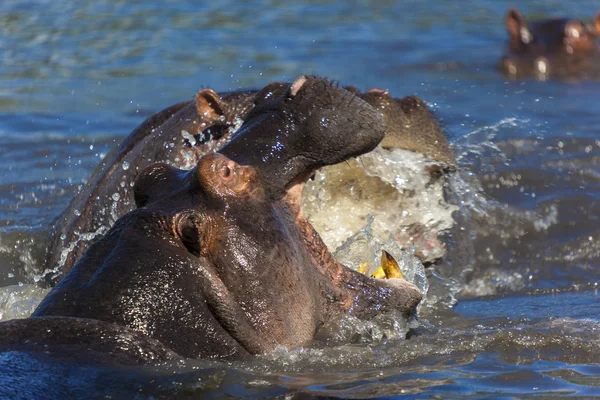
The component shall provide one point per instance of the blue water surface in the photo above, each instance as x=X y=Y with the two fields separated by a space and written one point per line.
x=77 y=77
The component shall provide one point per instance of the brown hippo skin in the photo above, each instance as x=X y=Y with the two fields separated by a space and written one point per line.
x=182 y=133
x=178 y=135
x=410 y=125
x=218 y=261
x=558 y=48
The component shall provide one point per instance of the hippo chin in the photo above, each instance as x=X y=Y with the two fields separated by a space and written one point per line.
x=218 y=261
x=557 y=48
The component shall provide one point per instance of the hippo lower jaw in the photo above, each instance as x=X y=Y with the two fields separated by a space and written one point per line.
x=406 y=296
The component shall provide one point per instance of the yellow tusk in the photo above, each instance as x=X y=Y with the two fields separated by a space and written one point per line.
x=363 y=269
x=389 y=267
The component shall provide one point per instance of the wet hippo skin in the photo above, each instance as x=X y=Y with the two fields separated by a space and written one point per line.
x=178 y=135
x=557 y=48
x=218 y=261
x=184 y=132
x=410 y=125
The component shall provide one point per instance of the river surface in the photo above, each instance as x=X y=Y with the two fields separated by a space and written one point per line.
x=513 y=311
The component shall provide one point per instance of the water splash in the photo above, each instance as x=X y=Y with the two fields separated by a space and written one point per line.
x=19 y=301
x=394 y=188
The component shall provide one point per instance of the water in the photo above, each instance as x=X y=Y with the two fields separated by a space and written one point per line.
x=512 y=311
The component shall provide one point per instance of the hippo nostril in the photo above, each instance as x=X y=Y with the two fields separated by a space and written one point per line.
x=226 y=172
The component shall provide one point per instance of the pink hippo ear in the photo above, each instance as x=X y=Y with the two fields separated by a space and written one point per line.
x=515 y=23
x=209 y=105
x=596 y=23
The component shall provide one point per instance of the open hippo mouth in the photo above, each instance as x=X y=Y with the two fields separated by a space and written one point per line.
x=294 y=130
x=218 y=261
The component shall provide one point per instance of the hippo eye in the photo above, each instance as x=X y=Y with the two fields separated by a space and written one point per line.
x=574 y=30
x=190 y=236
x=526 y=36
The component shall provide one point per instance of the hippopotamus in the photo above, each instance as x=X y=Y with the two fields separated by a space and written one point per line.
x=558 y=48
x=177 y=135
x=182 y=133
x=410 y=125
x=218 y=262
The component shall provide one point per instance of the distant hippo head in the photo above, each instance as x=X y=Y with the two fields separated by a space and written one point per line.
x=218 y=261
x=554 y=48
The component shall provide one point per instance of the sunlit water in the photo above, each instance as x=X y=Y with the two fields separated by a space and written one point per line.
x=512 y=310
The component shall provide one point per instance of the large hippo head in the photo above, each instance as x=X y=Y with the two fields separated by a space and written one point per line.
x=552 y=48
x=219 y=261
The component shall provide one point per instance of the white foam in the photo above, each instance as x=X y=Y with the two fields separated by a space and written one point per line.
x=19 y=301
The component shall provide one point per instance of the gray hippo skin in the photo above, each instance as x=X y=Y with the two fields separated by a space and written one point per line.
x=218 y=261
x=184 y=132
x=410 y=125
x=559 y=48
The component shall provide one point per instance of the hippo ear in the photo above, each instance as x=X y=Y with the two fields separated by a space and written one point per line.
x=209 y=104
x=296 y=86
x=514 y=23
x=596 y=23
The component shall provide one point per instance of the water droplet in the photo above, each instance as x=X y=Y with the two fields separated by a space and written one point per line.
x=116 y=196
x=125 y=165
x=77 y=212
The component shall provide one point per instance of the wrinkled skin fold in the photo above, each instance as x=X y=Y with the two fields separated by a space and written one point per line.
x=218 y=261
